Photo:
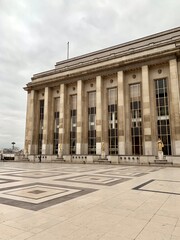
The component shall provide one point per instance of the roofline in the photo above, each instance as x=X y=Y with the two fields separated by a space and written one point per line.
x=127 y=48
x=137 y=40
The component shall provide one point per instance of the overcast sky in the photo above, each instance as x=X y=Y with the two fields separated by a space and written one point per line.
x=34 y=36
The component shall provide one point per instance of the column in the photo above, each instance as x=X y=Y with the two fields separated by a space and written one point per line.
x=175 y=106
x=146 y=112
x=121 y=113
x=27 y=130
x=47 y=146
x=64 y=121
x=79 y=143
x=30 y=147
x=98 y=114
x=61 y=147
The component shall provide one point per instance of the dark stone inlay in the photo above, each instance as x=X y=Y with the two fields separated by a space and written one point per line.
x=40 y=197
x=143 y=184
x=118 y=173
x=112 y=181
x=4 y=180
x=36 y=174
x=4 y=170
x=139 y=187
x=73 y=170
x=45 y=204
x=37 y=191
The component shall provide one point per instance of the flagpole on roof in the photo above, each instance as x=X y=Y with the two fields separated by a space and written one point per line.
x=67 y=50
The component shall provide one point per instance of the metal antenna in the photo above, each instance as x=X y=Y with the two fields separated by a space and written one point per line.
x=67 y=50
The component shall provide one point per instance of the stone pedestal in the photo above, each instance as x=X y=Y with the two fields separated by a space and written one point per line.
x=160 y=155
x=60 y=152
x=103 y=155
x=25 y=157
x=60 y=155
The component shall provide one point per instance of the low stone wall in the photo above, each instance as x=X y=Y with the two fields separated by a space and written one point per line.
x=121 y=159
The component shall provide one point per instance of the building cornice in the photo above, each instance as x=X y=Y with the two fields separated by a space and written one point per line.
x=128 y=47
x=144 y=49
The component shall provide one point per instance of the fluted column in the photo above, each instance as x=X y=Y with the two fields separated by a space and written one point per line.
x=146 y=111
x=79 y=144
x=47 y=146
x=175 y=106
x=98 y=114
x=121 y=114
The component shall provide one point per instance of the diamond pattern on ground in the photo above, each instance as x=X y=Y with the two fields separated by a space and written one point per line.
x=36 y=174
x=36 y=196
x=95 y=179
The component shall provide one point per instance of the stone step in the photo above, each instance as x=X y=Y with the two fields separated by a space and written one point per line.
x=105 y=160
x=58 y=160
x=161 y=162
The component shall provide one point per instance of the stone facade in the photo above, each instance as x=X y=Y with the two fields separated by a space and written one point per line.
x=147 y=69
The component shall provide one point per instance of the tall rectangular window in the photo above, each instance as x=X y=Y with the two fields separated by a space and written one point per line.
x=112 y=121
x=136 y=120
x=41 y=120
x=56 y=125
x=73 y=127
x=163 y=125
x=92 y=123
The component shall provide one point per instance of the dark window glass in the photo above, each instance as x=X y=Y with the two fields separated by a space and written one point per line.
x=92 y=123
x=136 y=126
x=73 y=127
x=163 y=127
x=56 y=125
x=112 y=120
x=41 y=120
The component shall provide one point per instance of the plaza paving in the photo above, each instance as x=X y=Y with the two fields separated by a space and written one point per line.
x=88 y=202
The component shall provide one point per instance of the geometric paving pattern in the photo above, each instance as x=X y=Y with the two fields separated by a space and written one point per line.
x=38 y=186
x=35 y=174
x=131 y=171
x=88 y=201
x=4 y=180
x=9 y=170
x=160 y=186
x=76 y=169
x=121 y=172
x=95 y=179
x=36 y=196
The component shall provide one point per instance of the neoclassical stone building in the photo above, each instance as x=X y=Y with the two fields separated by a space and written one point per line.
x=125 y=97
